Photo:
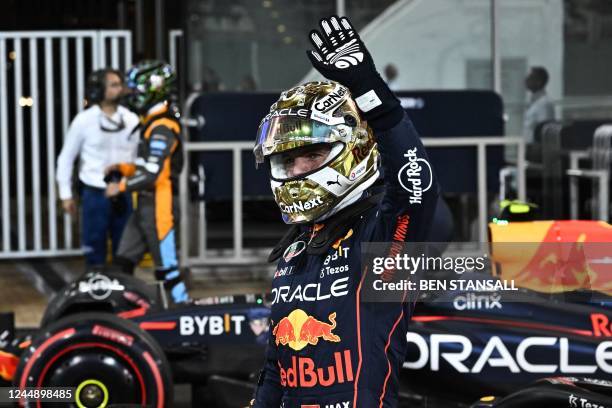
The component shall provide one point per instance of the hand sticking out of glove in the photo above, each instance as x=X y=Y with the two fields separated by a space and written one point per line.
x=341 y=56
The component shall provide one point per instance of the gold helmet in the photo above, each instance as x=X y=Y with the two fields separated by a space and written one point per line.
x=316 y=115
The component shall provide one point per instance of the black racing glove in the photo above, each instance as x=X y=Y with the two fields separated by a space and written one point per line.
x=341 y=56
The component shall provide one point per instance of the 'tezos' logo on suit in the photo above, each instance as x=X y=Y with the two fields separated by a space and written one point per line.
x=413 y=178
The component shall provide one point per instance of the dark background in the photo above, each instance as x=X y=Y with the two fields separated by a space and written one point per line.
x=27 y=15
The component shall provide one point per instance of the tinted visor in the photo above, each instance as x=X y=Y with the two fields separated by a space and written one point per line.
x=303 y=161
x=282 y=133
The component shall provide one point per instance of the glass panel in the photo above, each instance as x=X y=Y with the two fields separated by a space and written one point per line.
x=246 y=44
x=530 y=35
x=433 y=44
x=250 y=44
x=587 y=60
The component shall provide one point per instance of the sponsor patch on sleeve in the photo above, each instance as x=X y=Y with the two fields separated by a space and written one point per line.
x=368 y=101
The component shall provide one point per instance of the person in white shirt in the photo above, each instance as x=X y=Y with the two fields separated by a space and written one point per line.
x=540 y=108
x=100 y=136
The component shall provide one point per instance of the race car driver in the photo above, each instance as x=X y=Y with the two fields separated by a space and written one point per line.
x=322 y=143
x=154 y=176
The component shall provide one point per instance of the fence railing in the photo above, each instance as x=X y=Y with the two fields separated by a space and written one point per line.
x=237 y=254
x=42 y=86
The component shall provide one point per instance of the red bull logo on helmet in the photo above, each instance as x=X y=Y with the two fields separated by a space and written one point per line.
x=298 y=329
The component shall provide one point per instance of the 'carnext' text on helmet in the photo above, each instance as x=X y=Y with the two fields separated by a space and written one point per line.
x=301 y=205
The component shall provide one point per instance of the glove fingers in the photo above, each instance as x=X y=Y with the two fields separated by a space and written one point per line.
x=335 y=23
x=325 y=27
x=346 y=25
x=338 y=32
x=318 y=42
x=330 y=34
x=314 y=57
x=318 y=63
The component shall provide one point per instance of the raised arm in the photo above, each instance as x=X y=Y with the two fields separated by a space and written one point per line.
x=411 y=188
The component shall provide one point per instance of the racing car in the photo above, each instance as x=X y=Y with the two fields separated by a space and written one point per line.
x=113 y=339
x=556 y=324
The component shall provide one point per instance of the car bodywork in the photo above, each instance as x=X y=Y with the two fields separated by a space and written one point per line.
x=494 y=343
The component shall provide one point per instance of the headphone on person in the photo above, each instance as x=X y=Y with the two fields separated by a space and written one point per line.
x=96 y=85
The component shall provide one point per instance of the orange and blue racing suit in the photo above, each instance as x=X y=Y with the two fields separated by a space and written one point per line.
x=154 y=178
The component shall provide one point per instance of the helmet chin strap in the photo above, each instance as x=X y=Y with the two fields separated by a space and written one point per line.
x=351 y=198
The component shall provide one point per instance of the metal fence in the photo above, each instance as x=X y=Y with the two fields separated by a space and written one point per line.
x=175 y=38
x=237 y=255
x=42 y=86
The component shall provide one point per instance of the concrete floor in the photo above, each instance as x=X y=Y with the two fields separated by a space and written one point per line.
x=18 y=295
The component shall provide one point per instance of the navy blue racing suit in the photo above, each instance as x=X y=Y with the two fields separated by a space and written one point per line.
x=327 y=346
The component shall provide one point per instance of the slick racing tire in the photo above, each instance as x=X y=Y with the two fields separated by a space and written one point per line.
x=107 y=360
x=107 y=292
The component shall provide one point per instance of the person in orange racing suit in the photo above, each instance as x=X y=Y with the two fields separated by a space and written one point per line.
x=329 y=346
x=153 y=176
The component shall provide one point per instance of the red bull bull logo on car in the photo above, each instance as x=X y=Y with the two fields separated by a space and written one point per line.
x=298 y=329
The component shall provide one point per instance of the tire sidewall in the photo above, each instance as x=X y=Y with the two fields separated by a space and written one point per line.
x=120 y=337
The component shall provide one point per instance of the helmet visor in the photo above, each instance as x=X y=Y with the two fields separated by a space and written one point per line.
x=282 y=133
x=303 y=161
